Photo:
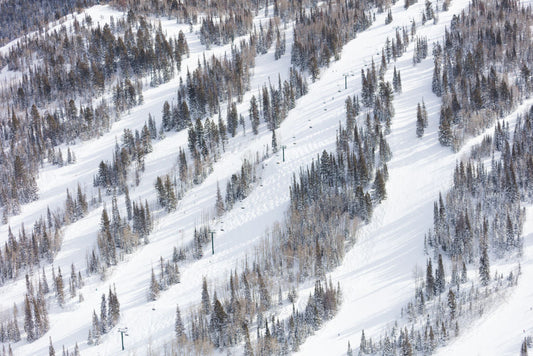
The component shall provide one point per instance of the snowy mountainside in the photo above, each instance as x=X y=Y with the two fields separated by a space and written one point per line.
x=376 y=275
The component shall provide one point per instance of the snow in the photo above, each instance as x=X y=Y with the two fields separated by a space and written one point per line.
x=502 y=330
x=376 y=275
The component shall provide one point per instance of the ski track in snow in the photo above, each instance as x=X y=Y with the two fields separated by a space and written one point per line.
x=377 y=273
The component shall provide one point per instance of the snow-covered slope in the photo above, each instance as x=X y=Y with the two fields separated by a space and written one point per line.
x=377 y=274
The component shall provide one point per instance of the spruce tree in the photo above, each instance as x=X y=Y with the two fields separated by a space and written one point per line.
x=419 y=122
x=205 y=297
x=60 y=292
x=380 y=192
x=484 y=268
x=254 y=115
x=179 y=329
x=430 y=282
x=29 y=326
x=452 y=303
x=219 y=205
x=445 y=127
x=363 y=344
x=153 y=292
x=523 y=348
x=103 y=315
x=51 y=351
x=274 y=142
x=440 y=278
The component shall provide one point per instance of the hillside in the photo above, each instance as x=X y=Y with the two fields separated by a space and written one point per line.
x=383 y=258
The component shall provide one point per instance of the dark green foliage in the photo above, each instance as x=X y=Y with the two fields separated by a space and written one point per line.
x=472 y=67
x=240 y=184
x=109 y=317
x=340 y=24
x=224 y=31
x=19 y=17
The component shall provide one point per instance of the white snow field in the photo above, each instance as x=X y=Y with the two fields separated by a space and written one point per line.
x=377 y=274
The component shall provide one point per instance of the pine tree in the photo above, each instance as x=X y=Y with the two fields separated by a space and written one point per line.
x=274 y=142
x=445 y=127
x=128 y=203
x=51 y=351
x=380 y=192
x=114 y=309
x=430 y=282
x=218 y=322
x=103 y=315
x=484 y=268
x=232 y=119
x=363 y=344
x=60 y=293
x=264 y=294
x=29 y=325
x=219 y=205
x=153 y=293
x=94 y=333
x=254 y=115
x=452 y=304
x=167 y=118
x=424 y=114
x=350 y=114
x=419 y=122
x=178 y=326
x=205 y=297
x=523 y=348
x=396 y=81
x=440 y=278
x=463 y=273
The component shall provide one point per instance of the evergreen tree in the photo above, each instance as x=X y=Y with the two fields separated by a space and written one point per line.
x=167 y=118
x=103 y=315
x=274 y=142
x=51 y=351
x=452 y=303
x=430 y=282
x=363 y=344
x=60 y=292
x=440 y=278
x=436 y=85
x=232 y=119
x=218 y=322
x=523 y=348
x=380 y=192
x=205 y=297
x=445 y=127
x=424 y=114
x=219 y=205
x=419 y=122
x=484 y=267
x=254 y=115
x=114 y=309
x=463 y=273
x=178 y=326
x=153 y=293
x=29 y=325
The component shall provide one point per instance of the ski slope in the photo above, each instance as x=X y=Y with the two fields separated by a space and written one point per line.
x=377 y=276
